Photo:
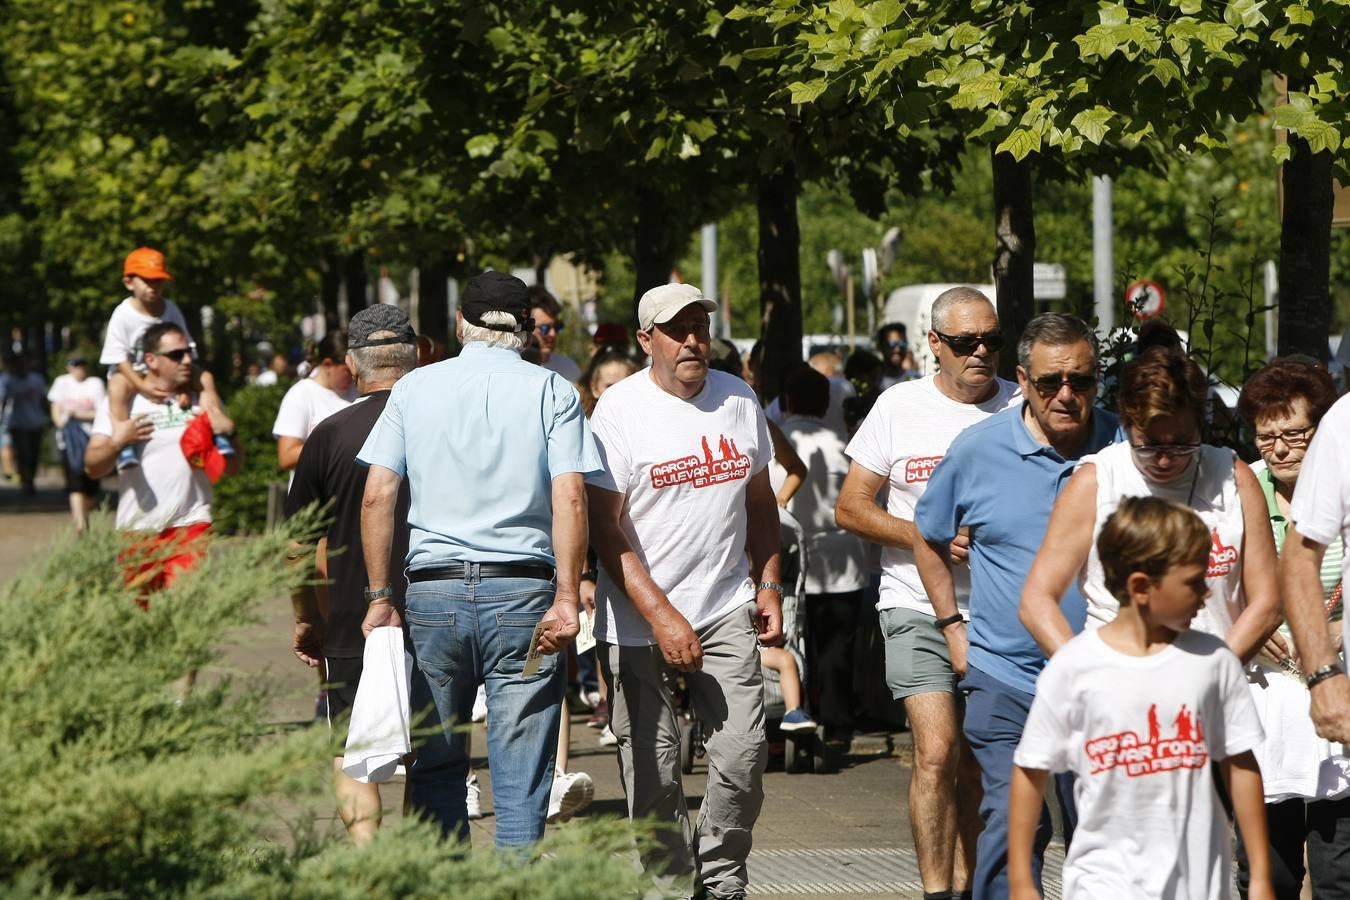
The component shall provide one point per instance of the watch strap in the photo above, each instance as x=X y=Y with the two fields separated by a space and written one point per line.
x=383 y=593
x=943 y=622
x=1331 y=670
x=771 y=586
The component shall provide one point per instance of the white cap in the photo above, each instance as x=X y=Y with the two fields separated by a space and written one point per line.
x=661 y=303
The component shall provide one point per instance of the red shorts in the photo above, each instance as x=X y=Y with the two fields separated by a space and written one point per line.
x=152 y=563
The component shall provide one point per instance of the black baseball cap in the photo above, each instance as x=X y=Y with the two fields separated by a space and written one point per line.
x=377 y=318
x=497 y=292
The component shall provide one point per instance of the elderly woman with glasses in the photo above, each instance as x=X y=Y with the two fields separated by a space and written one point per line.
x=1162 y=404
x=1307 y=779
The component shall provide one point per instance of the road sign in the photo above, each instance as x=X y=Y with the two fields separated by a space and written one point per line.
x=1050 y=280
x=1145 y=299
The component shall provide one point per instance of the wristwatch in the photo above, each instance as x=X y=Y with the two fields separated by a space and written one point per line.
x=1330 y=670
x=943 y=622
x=771 y=586
x=383 y=593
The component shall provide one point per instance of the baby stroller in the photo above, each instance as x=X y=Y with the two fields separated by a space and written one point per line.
x=802 y=751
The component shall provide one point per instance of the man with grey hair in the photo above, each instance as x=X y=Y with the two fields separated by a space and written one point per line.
x=996 y=485
x=495 y=451
x=896 y=448
x=381 y=349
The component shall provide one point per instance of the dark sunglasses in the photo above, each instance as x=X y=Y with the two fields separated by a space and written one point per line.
x=965 y=344
x=175 y=355
x=1078 y=382
x=680 y=331
x=546 y=330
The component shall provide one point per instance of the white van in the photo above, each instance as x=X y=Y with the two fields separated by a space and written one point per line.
x=910 y=305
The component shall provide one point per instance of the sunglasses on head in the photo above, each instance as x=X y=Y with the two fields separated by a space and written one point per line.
x=175 y=355
x=1078 y=382
x=546 y=329
x=966 y=344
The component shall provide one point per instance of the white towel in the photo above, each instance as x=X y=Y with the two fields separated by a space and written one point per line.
x=378 y=738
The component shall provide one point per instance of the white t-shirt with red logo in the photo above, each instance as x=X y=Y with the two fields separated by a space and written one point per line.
x=683 y=467
x=904 y=437
x=1139 y=733
x=164 y=490
x=1209 y=487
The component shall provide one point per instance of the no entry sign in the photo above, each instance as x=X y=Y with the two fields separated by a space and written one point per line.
x=1145 y=299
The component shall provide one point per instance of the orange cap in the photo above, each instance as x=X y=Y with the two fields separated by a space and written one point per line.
x=146 y=262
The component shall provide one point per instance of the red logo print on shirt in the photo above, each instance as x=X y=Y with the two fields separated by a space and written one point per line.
x=1185 y=750
x=920 y=468
x=1222 y=557
x=729 y=464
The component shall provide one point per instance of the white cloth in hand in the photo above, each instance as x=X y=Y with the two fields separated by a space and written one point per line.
x=378 y=737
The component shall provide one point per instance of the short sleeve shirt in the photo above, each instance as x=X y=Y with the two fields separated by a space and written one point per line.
x=164 y=490
x=328 y=472
x=683 y=467
x=480 y=438
x=1321 y=505
x=1000 y=483
x=904 y=437
x=304 y=406
x=127 y=324
x=1140 y=733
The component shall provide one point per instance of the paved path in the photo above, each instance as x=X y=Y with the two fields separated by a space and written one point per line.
x=844 y=834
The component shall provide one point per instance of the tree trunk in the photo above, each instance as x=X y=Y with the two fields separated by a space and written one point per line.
x=433 y=298
x=1014 y=253
x=1305 y=252
x=330 y=281
x=653 y=244
x=355 y=280
x=780 y=280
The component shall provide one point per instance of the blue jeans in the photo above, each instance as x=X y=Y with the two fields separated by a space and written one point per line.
x=995 y=717
x=470 y=631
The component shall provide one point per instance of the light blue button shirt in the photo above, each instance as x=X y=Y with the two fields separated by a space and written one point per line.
x=1001 y=483
x=480 y=438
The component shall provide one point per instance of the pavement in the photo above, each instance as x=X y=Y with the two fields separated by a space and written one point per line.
x=840 y=834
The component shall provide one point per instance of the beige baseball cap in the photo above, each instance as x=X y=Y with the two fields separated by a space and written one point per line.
x=661 y=303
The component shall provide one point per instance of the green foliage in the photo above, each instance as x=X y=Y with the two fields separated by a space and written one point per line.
x=239 y=502
x=120 y=787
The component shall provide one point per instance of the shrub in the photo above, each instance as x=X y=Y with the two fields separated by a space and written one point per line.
x=116 y=787
x=239 y=502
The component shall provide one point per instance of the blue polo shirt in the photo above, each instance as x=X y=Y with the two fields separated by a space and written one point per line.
x=480 y=438
x=1001 y=483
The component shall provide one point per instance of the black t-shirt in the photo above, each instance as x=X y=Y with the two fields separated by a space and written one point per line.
x=328 y=470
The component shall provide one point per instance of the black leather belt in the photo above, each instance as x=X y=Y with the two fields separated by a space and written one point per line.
x=458 y=571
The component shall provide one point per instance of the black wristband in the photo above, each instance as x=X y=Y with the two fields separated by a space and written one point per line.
x=943 y=622
x=1330 y=670
x=589 y=575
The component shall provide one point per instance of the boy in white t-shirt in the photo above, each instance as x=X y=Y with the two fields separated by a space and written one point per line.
x=1138 y=710
x=144 y=274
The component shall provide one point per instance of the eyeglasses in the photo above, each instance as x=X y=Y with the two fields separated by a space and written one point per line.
x=1078 y=382
x=1292 y=437
x=175 y=355
x=965 y=344
x=1150 y=452
x=547 y=329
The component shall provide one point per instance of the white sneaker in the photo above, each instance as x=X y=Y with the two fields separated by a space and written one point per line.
x=473 y=797
x=479 y=713
x=591 y=698
x=608 y=738
x=571 y=793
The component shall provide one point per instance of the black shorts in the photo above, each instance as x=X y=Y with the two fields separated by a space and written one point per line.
x=341 y=675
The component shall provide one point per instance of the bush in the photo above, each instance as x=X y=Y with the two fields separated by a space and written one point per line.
x=116 y=788
x=239 y=502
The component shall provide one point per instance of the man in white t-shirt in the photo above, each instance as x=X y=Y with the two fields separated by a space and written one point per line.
x=167 y=495
x=897 y=446
x=683 y=499
x=548 y=324
x=1318 y=515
